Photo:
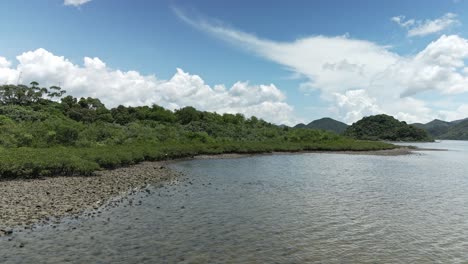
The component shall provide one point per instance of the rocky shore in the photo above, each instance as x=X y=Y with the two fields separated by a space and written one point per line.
x=25 y=202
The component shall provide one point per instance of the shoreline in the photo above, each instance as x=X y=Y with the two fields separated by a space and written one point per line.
x=405 y=150
x=28 y=202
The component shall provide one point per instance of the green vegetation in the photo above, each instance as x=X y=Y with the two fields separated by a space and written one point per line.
x=327 y=124
x=435 y=128
x=384 y=127
x=40 y=136
x=456 y=130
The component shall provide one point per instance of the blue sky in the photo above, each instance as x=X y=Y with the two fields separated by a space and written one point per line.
x=286 y=62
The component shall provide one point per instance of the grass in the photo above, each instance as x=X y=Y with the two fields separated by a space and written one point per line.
x=36 y=162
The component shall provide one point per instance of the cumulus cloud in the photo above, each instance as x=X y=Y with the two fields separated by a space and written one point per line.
x=460 y=112
x=426 y=27
x=75 y=2
x=95 y=79
x=4 y=63
x=7 y=75
x=359 y=77
x=355 y=104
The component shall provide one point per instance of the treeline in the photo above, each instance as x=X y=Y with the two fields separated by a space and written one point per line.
x=43 y=132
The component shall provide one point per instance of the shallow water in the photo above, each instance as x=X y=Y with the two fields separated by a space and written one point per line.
x=324 y=208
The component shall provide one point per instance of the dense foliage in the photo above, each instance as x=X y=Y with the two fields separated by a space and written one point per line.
x=384 y=127
x=327 y=124
x=457 y=130
x=435 y=128
x=42 y=133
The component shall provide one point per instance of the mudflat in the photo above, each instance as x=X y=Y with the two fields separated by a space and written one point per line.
x=24 y=202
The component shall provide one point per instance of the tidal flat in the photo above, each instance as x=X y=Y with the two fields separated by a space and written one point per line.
x=285 y=208
x=28 y=202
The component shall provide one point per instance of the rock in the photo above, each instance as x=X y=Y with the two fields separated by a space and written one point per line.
x=4 y=232
x=35 y=200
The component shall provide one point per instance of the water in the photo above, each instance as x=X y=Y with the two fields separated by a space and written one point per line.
x=305 y=208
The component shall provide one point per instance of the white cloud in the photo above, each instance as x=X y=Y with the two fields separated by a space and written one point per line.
x=359 y=77
x=115 y=87
x=7 y=75
x=440 y=67
x=4 y=63
x=400 y=20
x=75 y=2
x=426 y=27
x=355 y=104
x=461 y=112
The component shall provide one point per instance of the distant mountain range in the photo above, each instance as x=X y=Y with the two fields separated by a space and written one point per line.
x=327 y=124
x=439 y=129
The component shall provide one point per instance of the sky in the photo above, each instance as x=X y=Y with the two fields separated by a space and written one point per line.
x=284 y=61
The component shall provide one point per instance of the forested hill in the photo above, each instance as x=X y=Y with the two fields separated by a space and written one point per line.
x=384 y=127
x=44 y=132
x=327 y=124
x=457 y=130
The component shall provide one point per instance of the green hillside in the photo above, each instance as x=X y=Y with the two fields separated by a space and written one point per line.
x=301 y=125
x=458 y=131
x=384 y=127
x=328 y=124
x=436 y=127
x=455 y=130
x=44 y=133
x=459 y=121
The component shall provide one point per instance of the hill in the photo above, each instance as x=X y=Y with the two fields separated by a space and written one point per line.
x=300 y=125
x=327 y=124
x=384 y=127
x=435 y=128
x=458 y=121
x=457 y=131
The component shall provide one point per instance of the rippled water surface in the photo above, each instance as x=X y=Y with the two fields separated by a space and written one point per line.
x=324 y=208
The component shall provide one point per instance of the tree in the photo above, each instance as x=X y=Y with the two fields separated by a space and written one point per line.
x=187 y=115
x=55 y=91
x=24 y=95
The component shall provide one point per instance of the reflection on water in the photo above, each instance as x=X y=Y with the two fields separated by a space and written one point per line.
x=279 y=209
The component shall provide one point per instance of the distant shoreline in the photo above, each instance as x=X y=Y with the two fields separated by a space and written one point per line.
x=26 y=202
x=403 y=150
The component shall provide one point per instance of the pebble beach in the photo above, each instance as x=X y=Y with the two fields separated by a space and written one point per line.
x=25 y=202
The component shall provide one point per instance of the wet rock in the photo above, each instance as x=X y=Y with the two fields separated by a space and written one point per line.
x=35 y=201
x=6 y=232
